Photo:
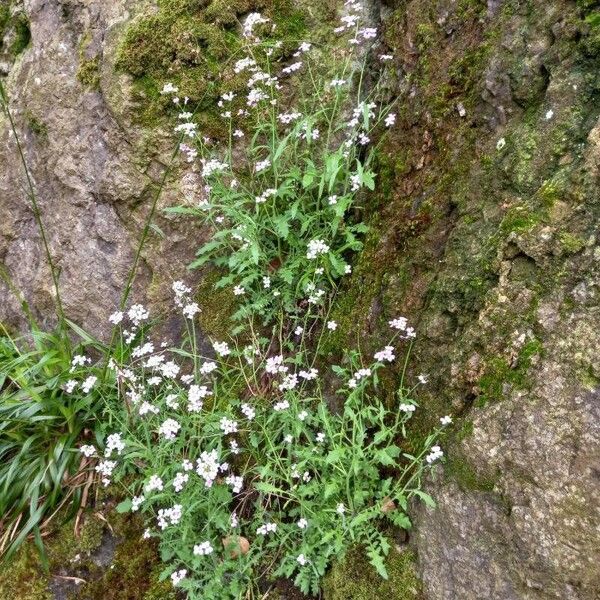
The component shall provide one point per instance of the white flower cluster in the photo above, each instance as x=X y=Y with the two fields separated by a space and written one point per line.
x=169 y=516
x=203 y=549
x=435 y=453
x=207 y=466
x=105 y=468
x=360 y=374
x=316 y=247
x=266 y=529
x=169 y=429
x=114 y=443
x=387 y=354
x=196 y=394
x=236 y=483
x=154 y=483
x=228 y=426
x=248 y=411
x=178 y=576
x=222 y=348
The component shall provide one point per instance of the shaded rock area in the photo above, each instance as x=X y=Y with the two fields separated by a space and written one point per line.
x=486 y=236
x=484 y=232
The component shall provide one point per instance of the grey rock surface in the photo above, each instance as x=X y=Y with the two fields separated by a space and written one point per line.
x=93 y=173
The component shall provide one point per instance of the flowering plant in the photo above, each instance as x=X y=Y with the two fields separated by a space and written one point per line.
x=244 y=470
x=277 y=193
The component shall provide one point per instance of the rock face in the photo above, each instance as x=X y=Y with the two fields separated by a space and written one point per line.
x=487 y=236
x=485 y=233
x=95 y=171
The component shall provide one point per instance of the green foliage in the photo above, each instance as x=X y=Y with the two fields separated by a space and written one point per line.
x=39 y=426
x=269 y=454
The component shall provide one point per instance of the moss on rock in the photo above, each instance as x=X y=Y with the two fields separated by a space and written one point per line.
x=354 y=578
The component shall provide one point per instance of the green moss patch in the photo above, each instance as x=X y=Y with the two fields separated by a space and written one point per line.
x=354 y=579
x=194 y=45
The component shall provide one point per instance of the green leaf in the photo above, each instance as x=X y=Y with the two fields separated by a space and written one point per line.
x=377 y=560
x=125 y=506
x=427 y=499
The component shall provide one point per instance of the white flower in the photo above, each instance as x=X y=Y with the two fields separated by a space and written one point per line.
x=180 y=480
x=87 y=450
x=435 y=453
x=203 y=549
x=289 y=382
x=267 y=528
x=390 y=119
x=275 y=365
x=114 y=443
x=500 y=144
x=116 y=317
x=222 y=348
x=385 y=57
x=423 y=378
x=302 y=559
x=302 y=523
x=399 y=323
x=196 y=394
x=169 y=516
x=298 y=330
x=187 y=465
x=191 y=309
x=446 y=420
x=549 y=115
x=340 y=509
x=70 y=386
x=147 y=348
x=169 y=429
x=207 y=467
x=208 y=367
x=171 y=370
x=337 y=82
x=292 y=68
x=261 y=165
x=248 y=411
x=136 y=502
x=309 y=375
x=147 y=407
x=287 y=118
x=407 y=408
x=332 y=199
x=178 y=576
x=288 y=439
x=105 y=468
x=320 y=437
x=154 y=483
x=283 y=405
x=239 y=290
x=332 y=325
x=266 y=282
x=137 y=313
x=169 y=88
x=228 y=426
x=387 y=354
x=88 y=384
x=236 y=483
x=234 y=447
x=316 y=247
